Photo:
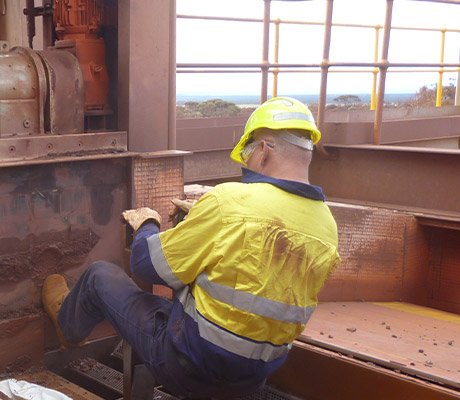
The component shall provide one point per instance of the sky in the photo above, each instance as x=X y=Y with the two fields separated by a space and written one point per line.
x=203 y=41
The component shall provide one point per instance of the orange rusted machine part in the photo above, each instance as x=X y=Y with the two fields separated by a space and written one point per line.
x=78 y=23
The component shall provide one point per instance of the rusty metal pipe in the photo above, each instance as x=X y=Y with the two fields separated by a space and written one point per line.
x=383 y=72
x=443 y=1
x=291 y=22
x=172 y=77
x=265 y=64
x=324 y=73
x=127 y=370
x=29 y=11
x=48 y=25
x=276 y=70
x=216 y=18
x=314 y=71
x=324 y=63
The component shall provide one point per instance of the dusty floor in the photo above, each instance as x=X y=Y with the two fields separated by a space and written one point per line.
x=414 y=339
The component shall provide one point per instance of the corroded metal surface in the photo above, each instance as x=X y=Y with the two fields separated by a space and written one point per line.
x=397 y=177
x=146 y=76
x=385 y=256
x=77 y=145
x=389 y=255
x=402 y=178
x=66 y=92
x=416 y=340
x=22 y=92
x=314 y=373
x=81 y=23
x=213 y=165
x=444 y=277
x=21 y=342
x=388 y=175
x=57 y=218
x=29 y=79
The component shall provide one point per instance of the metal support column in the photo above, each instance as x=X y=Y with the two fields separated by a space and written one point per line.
x=324 y=72
x=172 y=77
x=146 y=81
x=383 y=72
x=265 y=63
x=276 y=58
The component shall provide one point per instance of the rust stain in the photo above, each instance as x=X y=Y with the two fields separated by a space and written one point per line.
x=21 y=343
x=20 y=364
x=378 y=260
x=291 y=260
x=35 y=260
x=13 y=314
x=410 y=336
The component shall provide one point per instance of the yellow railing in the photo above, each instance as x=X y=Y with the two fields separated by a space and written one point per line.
x=377 y=68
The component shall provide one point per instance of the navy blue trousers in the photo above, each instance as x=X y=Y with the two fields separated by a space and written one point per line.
x=106 y=291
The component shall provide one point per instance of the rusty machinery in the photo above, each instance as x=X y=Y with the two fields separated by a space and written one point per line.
x=63 y=89
x=78 y=24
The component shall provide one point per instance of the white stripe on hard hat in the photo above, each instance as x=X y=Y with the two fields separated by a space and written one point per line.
x=293 y=115
x=285 y=101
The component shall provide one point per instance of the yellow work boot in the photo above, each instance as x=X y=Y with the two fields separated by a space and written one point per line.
x=54 y=291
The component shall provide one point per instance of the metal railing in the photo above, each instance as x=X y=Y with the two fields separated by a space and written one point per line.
x=378 y=67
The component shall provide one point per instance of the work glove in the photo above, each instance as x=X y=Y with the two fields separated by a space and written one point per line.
x=180 y=210
x=137 y=217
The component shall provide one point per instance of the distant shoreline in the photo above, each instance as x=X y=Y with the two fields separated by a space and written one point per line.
x=248 y=99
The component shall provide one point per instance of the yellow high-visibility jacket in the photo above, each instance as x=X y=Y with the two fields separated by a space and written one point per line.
x=247 y=265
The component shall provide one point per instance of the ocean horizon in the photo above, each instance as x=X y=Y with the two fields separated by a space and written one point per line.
x=242 y=99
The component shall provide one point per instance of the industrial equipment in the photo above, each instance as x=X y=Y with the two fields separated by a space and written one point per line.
x=41 y=92
x=88 y=129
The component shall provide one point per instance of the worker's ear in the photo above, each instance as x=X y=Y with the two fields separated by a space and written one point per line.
x=265 y=152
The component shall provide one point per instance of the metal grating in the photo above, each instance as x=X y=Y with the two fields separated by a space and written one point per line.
x=268 y=393
x=160 y=394
x=110 y=377
x=99 y=373
x=118 y=351
x=156 y=181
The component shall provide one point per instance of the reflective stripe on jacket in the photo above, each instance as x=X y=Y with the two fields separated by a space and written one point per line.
x=250 y=273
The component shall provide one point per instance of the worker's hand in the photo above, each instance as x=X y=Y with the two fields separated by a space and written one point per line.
x=181 y=208
x=138 y=216
x=184 y=205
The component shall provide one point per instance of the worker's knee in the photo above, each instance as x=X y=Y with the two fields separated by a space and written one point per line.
x=103 y=268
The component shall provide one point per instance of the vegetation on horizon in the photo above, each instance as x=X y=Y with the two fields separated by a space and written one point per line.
x=207 y=109
x=424 y=97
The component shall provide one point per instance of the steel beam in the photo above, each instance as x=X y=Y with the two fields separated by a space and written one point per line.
x=414 y=179
x=211 y=165
x=51 y=146
x=399 y=177
x=265 y=50
x=145 y=84
x=314 y=373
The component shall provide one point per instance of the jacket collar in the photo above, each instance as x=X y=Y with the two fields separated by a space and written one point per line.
x=299 y=188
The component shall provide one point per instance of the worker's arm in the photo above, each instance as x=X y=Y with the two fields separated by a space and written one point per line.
x=141 y=263
x=177 y=256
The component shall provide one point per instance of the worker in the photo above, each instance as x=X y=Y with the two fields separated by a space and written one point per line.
x=246 y=266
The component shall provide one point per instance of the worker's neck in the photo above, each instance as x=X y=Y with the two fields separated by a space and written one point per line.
x=287 y=173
